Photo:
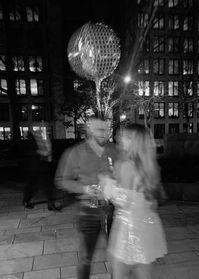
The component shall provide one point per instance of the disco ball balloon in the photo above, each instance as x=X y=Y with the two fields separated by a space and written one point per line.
x=94 y=51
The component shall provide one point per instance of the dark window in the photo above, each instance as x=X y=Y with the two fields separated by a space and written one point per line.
x=158 y=22
x=18 y=63
x=188 y=88
x=32 y=14
x=23 y=112
x=158 y=44
x=4 y=112
x=173 y=45
x=35 y=64
x=158 y=66
x=158 y=88
x=159 y=131
x=174 y=22
x=188 y=45
x=38 y=112
x=15 y=12
x=173 y=66
x=173 y=128
x=2 y=62
x=144 y=67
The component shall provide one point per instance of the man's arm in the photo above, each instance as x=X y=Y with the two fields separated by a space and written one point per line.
x=65 y=177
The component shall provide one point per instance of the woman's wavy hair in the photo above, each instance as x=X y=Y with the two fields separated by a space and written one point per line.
x=143 y=154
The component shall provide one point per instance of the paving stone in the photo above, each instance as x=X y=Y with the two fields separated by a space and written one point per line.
x=67 y=233
x=39 y=214
x=180 y=258
x=98 y=268
x=33 y=236
x=68 y=271
x=21 y=250
x=6 y=239
x=100 y=255
x=55 y=260
x=33 y=222
x=23 y=230
x=43 y=274
x=61 y=245
x=185 y=271
x=56 y=227
x=12 y=276
x=7 y=224
x=175 y=246
x=175 y=233
x=15 y=266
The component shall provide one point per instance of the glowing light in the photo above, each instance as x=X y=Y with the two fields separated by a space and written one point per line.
x=127 y=79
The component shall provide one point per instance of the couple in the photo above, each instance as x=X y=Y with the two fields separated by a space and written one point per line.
x=129 y=183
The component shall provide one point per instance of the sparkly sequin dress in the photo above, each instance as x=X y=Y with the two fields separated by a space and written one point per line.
x=137 y=235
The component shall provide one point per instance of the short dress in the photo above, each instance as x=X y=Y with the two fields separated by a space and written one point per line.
x=137 y=234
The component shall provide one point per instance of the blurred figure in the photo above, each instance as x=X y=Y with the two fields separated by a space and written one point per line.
x=39 y=170
x=78 y=172
x=137 y=238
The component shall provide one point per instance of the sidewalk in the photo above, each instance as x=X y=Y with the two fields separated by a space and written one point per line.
x=39 y=244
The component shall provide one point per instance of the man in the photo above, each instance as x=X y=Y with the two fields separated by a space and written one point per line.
x=38 y=170
x=77 y=171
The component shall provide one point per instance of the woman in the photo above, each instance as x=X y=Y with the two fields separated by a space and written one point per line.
x=137 y=238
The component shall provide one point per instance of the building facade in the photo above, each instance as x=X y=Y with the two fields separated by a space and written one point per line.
x=168 y=70
x=31 y=67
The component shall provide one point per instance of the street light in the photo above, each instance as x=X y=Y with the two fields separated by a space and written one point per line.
x=127 y=79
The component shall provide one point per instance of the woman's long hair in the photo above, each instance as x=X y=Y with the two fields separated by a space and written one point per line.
x=142 y=152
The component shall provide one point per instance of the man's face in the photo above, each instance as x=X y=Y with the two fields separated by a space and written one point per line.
x=99 y=131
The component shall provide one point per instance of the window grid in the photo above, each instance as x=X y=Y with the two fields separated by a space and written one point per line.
x=173 y=110
x=173 y=88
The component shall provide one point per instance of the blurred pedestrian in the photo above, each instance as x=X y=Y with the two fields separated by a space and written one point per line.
x=78 y=172
x=137 y=237
x=38 y=168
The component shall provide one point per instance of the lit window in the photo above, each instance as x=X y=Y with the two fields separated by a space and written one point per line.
x=158 y=66
x=3 y=87
x=188 y=128
x=142 y=112
x=2 y=63
x=15 y=13
x=35 y=64
x=188 y=110
x=5 y=133
x=143 y=20
x=143 y=88
x=24 y=132
x=188 y=45
x=173 y=88
x=4 y=112
x=158 y=44
x=23 y=112
x=158 y=22
x=188 y=88
x=173 y=66
x=20 y=86
x=173 y=110
x=159 y=110
x=188 y=23
x=32 y=14
x=38 y=112
x=18 y=63
x=158 y=88
x=172 y=3
x=174 y=22
x=36 y=87
x=187 y=67
x=144 y=67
